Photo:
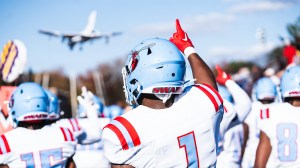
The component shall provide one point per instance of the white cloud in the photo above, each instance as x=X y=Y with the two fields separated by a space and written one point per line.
x=226 y=54
x=159 y=28
x=261 y=6
x=212 y=22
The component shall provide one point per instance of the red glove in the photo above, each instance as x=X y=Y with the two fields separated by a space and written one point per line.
x=182 y=41
x=222 y=76
x=289 y=52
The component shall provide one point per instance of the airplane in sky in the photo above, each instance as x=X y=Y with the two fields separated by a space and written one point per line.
x=87 y=34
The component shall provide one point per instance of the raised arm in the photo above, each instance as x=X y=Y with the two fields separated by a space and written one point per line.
x=201 y=72
x=242 y=102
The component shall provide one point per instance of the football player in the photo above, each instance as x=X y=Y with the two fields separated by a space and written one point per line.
x=33 y=142
x=265 y=93
x=279 y=133
x=87 y=128
x=237 y=105
x=169 y=126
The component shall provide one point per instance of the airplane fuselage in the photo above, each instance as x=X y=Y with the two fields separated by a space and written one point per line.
x=87 y=34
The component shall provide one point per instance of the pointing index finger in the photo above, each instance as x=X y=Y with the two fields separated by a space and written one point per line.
x=219 y=69
x=178 y=27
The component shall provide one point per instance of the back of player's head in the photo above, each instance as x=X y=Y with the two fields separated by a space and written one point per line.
x=290 y=82
x=154 y=66
x=54 y=108
x=82 y=112
x=225 y=94
x=29 y=103
x=265 y=89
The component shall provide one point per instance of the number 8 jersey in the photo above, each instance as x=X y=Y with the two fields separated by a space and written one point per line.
x=46 y=147
x=183 y=135
x=281 y=123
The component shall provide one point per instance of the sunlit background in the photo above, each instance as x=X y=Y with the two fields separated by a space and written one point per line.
x=223 y=31
x=220 y=29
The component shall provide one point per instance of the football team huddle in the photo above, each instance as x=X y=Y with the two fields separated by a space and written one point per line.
x=206 y=121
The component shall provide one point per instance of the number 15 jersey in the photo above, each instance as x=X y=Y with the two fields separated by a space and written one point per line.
x=46 y=147
x=183 y=135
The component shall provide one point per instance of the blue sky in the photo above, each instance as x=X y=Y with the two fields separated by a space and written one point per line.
x=221 y=30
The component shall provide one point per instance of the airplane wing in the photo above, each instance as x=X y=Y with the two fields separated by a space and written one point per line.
x=58 y=34
x=50 y=33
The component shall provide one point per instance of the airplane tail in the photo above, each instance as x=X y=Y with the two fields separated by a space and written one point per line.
x=91 y=23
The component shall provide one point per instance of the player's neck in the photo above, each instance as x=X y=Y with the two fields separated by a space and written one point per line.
x=156 y=103
x=32 y=126
x=295 y=101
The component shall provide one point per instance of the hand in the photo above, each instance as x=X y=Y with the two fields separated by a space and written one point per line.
x=86 y=100
x=182 y=41
x=87 y=95
x=90 y=108
x=222 y=76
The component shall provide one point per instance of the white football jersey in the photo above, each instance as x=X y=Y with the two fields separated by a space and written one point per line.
x=90 y=156
x=230 y=157
x=252 y=121
x=89 y=153
x=230 y=138
x=85 y=130
x=183 y=135
x=281 y=123
x=46 y=147
x=229 y=115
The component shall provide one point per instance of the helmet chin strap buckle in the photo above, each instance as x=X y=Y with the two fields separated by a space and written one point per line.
x=163 y=97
